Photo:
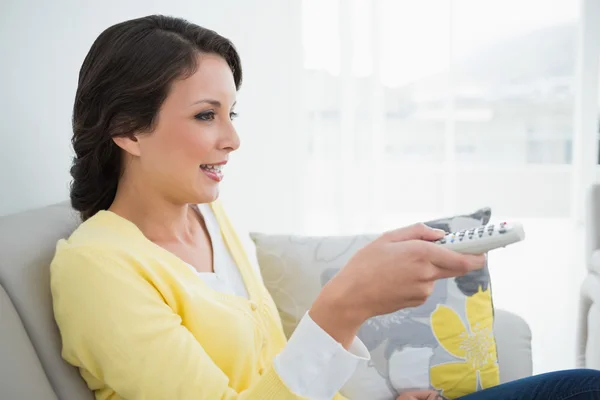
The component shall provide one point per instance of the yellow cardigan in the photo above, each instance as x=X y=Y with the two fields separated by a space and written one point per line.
x=139 y=324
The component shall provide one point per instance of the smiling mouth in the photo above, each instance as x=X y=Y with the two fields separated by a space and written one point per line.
x=213 y=171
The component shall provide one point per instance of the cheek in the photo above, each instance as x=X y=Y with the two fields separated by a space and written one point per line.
x=196 y=142
x=181 y=144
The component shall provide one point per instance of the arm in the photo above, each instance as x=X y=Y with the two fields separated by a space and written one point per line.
x=313 y=364
x=117 y=327
x=316 y=366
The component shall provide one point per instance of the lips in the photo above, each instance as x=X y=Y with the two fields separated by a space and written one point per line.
x=213 y=171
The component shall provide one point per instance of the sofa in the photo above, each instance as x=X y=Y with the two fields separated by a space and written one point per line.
x=31 y=366
x=588 y=330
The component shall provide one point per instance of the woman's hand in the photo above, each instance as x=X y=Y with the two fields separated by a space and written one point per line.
x=423 y=395
x=397 y=270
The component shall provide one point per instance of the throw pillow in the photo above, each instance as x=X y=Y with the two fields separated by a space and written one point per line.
x=446 y=344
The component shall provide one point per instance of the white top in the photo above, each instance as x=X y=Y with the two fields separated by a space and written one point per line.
x=312 y=364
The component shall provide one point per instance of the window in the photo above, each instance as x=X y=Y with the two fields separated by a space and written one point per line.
x=466 y=105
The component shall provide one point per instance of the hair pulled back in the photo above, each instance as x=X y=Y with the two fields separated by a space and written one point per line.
x=123 y=81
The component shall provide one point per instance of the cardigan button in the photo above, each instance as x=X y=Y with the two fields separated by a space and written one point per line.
x=253 y=306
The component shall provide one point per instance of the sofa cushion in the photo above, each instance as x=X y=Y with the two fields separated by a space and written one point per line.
x=27 y=247
x=417 y=348
x=22 y=374
x=513 y=337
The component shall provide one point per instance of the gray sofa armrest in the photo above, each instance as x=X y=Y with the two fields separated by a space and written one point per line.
x=588 y=327
x=594 y=262
x=513 y=338
x=22 y=375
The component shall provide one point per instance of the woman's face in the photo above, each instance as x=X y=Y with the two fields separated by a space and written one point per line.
x=185 y=155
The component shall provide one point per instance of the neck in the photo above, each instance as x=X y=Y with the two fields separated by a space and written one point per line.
x=160 y=219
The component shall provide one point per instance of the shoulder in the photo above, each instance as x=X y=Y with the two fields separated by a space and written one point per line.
x=90 y=275
x=105 y=235
x=104 y=229
x=78 y=268
x=100 y=246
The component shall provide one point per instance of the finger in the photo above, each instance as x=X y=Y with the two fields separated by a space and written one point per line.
x=415 y=232
x=452 y=263
x=436 y=396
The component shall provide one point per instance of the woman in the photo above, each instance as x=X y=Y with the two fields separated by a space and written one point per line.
x=155 y=295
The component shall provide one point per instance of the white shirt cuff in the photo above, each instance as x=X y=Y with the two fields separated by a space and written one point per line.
x=316 y=366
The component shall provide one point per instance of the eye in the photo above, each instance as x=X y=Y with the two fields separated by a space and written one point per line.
x=233 y=115
x=205 y=116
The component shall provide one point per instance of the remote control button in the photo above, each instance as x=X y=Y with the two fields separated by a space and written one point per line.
x=502 y=230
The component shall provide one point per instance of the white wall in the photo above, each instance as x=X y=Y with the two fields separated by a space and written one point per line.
x=43 y=44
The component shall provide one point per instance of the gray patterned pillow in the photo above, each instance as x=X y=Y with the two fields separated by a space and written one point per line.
x=446 y=344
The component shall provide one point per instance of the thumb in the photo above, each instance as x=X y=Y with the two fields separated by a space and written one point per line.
x=414 y=232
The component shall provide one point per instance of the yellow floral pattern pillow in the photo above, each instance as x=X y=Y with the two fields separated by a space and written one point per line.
x=471 y=342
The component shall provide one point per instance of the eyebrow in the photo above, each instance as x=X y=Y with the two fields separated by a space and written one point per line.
x=212 y=102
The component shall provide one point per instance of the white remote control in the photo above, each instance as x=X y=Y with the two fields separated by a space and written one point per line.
x=483 y=239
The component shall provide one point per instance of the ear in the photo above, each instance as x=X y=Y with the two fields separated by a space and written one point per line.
x=128 y=143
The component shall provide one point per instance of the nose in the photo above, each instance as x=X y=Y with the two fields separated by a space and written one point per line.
x=230 y=139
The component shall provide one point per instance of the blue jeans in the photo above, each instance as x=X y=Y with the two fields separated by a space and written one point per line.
x=576 y=384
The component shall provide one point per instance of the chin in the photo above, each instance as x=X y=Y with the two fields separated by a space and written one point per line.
x=206 y=196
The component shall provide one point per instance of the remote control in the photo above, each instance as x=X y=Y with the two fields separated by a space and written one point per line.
x=484 y=238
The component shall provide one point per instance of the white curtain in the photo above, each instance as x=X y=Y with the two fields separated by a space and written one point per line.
x=421 y=109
